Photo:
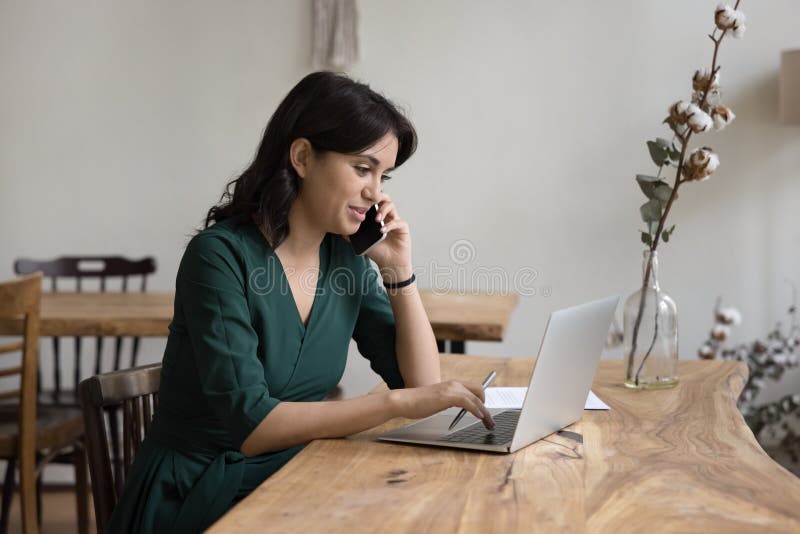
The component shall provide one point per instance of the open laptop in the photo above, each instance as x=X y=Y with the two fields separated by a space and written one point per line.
x=568 y=357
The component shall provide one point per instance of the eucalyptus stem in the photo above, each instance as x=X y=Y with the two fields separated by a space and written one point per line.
x=662 y=220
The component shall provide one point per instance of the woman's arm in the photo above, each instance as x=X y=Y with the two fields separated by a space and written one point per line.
x=295 y=423
x=417 y=353
x=415 y=344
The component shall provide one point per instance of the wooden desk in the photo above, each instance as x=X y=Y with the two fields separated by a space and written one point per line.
x=453 y=317
x=679 y=460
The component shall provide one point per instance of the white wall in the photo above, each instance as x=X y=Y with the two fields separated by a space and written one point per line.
x=120 y=123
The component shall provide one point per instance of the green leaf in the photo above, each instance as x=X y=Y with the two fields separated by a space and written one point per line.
x=651 y=210
x=667 y=233
x=648 y=184
x=653 y=227
x=657 y=153
x=662 y=192
x=646 y=239
x=674 y=157
x=663 y=143
x=648 y=188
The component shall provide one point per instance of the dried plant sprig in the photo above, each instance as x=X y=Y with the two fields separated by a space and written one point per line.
x=767 y=361
x=685 y=119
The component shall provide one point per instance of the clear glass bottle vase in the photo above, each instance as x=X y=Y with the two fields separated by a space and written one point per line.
x=652 y=324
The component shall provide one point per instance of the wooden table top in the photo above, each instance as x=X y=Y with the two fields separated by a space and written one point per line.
x=469 y=317
x=679 y=460
x=458 y=317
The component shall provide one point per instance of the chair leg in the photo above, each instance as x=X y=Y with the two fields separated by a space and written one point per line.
x=28 y=481
x=8 y=494
x=39 y=500
x=82 y=489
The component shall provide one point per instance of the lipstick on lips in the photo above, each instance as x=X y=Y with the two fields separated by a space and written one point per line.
x=358 y=213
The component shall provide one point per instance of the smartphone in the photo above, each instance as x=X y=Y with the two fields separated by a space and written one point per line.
x=368 y=234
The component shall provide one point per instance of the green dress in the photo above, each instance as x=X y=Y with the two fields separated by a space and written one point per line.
x=237 y=347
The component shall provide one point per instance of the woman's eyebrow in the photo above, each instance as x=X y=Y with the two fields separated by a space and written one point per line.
x=374 y=160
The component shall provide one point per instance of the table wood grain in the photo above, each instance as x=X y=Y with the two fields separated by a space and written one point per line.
x=679 y=460
x=458 y=317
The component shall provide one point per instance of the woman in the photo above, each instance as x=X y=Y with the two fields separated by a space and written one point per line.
x=267 y=299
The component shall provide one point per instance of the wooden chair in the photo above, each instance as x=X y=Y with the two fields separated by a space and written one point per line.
x=80 y=268
x=135 y=392
x=29 y=434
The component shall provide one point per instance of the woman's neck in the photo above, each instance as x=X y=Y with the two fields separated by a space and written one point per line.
x=304 y=237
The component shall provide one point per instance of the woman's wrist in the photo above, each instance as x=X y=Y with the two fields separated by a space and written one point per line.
x=397 y=274
x=395 y=402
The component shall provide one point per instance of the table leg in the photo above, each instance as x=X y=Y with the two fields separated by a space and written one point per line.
x=451 y=346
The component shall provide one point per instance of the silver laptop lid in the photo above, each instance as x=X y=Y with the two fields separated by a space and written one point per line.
x=568 y=357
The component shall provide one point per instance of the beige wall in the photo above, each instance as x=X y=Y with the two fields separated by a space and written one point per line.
x=121 y=121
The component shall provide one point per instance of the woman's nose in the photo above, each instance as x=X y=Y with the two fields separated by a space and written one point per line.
x=372 y=191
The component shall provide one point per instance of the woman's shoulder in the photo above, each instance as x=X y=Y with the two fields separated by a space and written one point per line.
x=219 y=248
x=229 y=234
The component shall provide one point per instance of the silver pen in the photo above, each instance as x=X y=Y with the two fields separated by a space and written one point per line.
x=463 y=412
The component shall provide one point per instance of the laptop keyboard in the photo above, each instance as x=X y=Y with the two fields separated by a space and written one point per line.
x=504 y=425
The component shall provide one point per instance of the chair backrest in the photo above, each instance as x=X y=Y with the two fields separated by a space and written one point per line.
x=135 y=392
x=20 y=300
x=87 y=267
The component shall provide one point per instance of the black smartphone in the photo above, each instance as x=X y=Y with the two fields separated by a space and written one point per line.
x=369 y=233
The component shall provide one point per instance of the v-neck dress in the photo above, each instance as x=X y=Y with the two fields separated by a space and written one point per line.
x=237 y=347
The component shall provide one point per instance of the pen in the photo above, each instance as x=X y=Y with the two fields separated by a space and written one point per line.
x=463 y=412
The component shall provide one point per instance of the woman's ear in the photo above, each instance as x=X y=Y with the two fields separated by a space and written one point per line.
x=300 y=154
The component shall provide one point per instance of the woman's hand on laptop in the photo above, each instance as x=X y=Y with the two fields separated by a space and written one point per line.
x=416 y=403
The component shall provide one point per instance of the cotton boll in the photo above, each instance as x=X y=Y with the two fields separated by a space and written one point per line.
x=722 y=116
x=698 y=120
x=702 y=162
x=700 y=80
x=678 y=112
x=727 y=18
x=706 y=352
x=724 y=17
x=720 y=332
x=729 y=316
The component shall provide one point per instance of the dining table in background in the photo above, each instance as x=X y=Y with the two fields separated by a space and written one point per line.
x=455 y=318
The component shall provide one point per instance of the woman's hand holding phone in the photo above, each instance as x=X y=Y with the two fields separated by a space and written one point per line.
x=392 y=254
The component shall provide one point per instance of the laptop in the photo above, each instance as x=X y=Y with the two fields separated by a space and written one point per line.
x=569 y=353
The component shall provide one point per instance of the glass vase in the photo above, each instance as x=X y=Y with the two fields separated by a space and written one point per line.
x=650 y=333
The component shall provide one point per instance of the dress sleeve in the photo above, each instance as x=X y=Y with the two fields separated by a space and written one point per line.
x=375 y=332
x=212 y=288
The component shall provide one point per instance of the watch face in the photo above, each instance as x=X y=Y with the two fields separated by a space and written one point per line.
x=368 y=233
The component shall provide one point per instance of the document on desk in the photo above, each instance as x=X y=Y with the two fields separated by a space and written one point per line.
x=513 y=397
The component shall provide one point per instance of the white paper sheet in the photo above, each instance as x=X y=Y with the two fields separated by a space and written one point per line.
x=513 y=397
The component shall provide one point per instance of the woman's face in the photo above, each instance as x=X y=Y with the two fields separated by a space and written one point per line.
x=337 y=189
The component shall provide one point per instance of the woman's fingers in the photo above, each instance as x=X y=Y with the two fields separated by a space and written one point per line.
x=395 y=224
x=386 y=211
x=479 y=410
x=476 y=390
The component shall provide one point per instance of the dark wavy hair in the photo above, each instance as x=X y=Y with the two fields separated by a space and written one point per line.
x=336 y=114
